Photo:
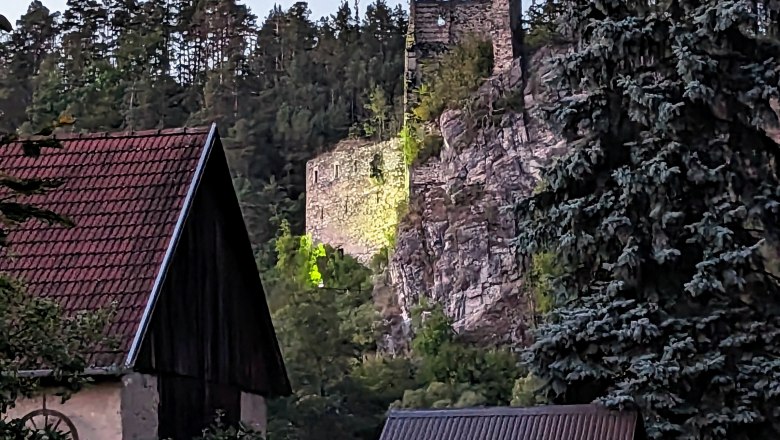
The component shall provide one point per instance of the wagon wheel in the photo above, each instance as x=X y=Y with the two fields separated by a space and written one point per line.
x=51 y=422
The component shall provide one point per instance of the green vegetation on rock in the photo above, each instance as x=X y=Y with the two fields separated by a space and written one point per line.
x=452 y=80
x=341 y=383
x=411 y=137
x=543 y=271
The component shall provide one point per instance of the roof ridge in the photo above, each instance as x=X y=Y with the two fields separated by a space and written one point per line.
x=503 y=411
x=124 y=134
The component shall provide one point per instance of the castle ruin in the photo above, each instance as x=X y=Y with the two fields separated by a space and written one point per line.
x=437 y=25
x=353 y=193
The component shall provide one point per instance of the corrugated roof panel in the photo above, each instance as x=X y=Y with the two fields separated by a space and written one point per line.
x=572 y=422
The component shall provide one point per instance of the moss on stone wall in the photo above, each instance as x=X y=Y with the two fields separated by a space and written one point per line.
x=353 y=195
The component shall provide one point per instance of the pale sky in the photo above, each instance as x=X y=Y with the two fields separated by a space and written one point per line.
x=13 y=9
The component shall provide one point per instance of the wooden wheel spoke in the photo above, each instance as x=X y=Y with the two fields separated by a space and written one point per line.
x=52 y=421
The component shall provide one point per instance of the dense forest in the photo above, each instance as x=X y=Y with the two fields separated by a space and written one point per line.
x=653 y=245
x=281 y=89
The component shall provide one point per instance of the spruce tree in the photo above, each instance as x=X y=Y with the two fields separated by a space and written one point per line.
x=664 y=216
x=25 y=50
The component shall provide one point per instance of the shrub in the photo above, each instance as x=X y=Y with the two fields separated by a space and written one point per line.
x=411 y=141
x=544 y=269
x=418 y=146
x=380 y=260
x=219 y=430
x=456 y=76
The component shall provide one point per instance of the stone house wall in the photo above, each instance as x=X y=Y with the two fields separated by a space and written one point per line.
x=348 y=208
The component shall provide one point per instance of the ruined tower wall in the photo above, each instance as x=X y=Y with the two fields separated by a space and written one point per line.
x=506 y=18
x=348 y=208
x=450 y=21
x=437 y=25
x=345 y=206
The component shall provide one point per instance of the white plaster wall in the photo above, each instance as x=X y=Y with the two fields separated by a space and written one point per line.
x=95 y=410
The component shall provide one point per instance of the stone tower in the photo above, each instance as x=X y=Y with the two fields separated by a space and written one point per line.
x=437 y=25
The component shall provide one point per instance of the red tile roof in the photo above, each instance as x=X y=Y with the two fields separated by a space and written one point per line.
x=125 y=192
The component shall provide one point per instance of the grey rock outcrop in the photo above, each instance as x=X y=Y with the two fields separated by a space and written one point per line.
x=454 y=247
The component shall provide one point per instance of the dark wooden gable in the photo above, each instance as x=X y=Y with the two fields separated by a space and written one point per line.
x=211 y=334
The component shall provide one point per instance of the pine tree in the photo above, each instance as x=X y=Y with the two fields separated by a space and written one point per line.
x=664 y=216
x=540 y=22
x=27 y=47
x=83 y=44
x=48 y=101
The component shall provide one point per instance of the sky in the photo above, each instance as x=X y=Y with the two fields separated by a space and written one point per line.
x=13 y=9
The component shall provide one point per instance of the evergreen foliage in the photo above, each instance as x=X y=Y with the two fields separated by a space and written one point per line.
x=543 y=271
x=659 y=215
x=282 y=89
x=451 y=81
x=540 y=20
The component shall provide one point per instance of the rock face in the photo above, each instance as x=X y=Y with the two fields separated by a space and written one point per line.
x=455 y=245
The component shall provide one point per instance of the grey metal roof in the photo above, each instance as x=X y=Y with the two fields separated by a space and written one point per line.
x=569 y=422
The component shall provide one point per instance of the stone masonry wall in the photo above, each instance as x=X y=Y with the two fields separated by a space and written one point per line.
x=436 y=25
x=449 y=22
x=504 y=32
x=348 y=208
x=140 y=401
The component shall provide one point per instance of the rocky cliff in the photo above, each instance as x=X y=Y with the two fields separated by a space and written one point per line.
x=454 y=247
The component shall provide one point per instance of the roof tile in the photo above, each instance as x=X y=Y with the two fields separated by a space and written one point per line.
x=125 y=192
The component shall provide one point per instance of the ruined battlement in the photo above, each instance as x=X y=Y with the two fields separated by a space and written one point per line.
x=437 y=25
x=353 y=194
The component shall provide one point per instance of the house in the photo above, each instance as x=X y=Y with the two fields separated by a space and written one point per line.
x=159 y=234
x=569 y=422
